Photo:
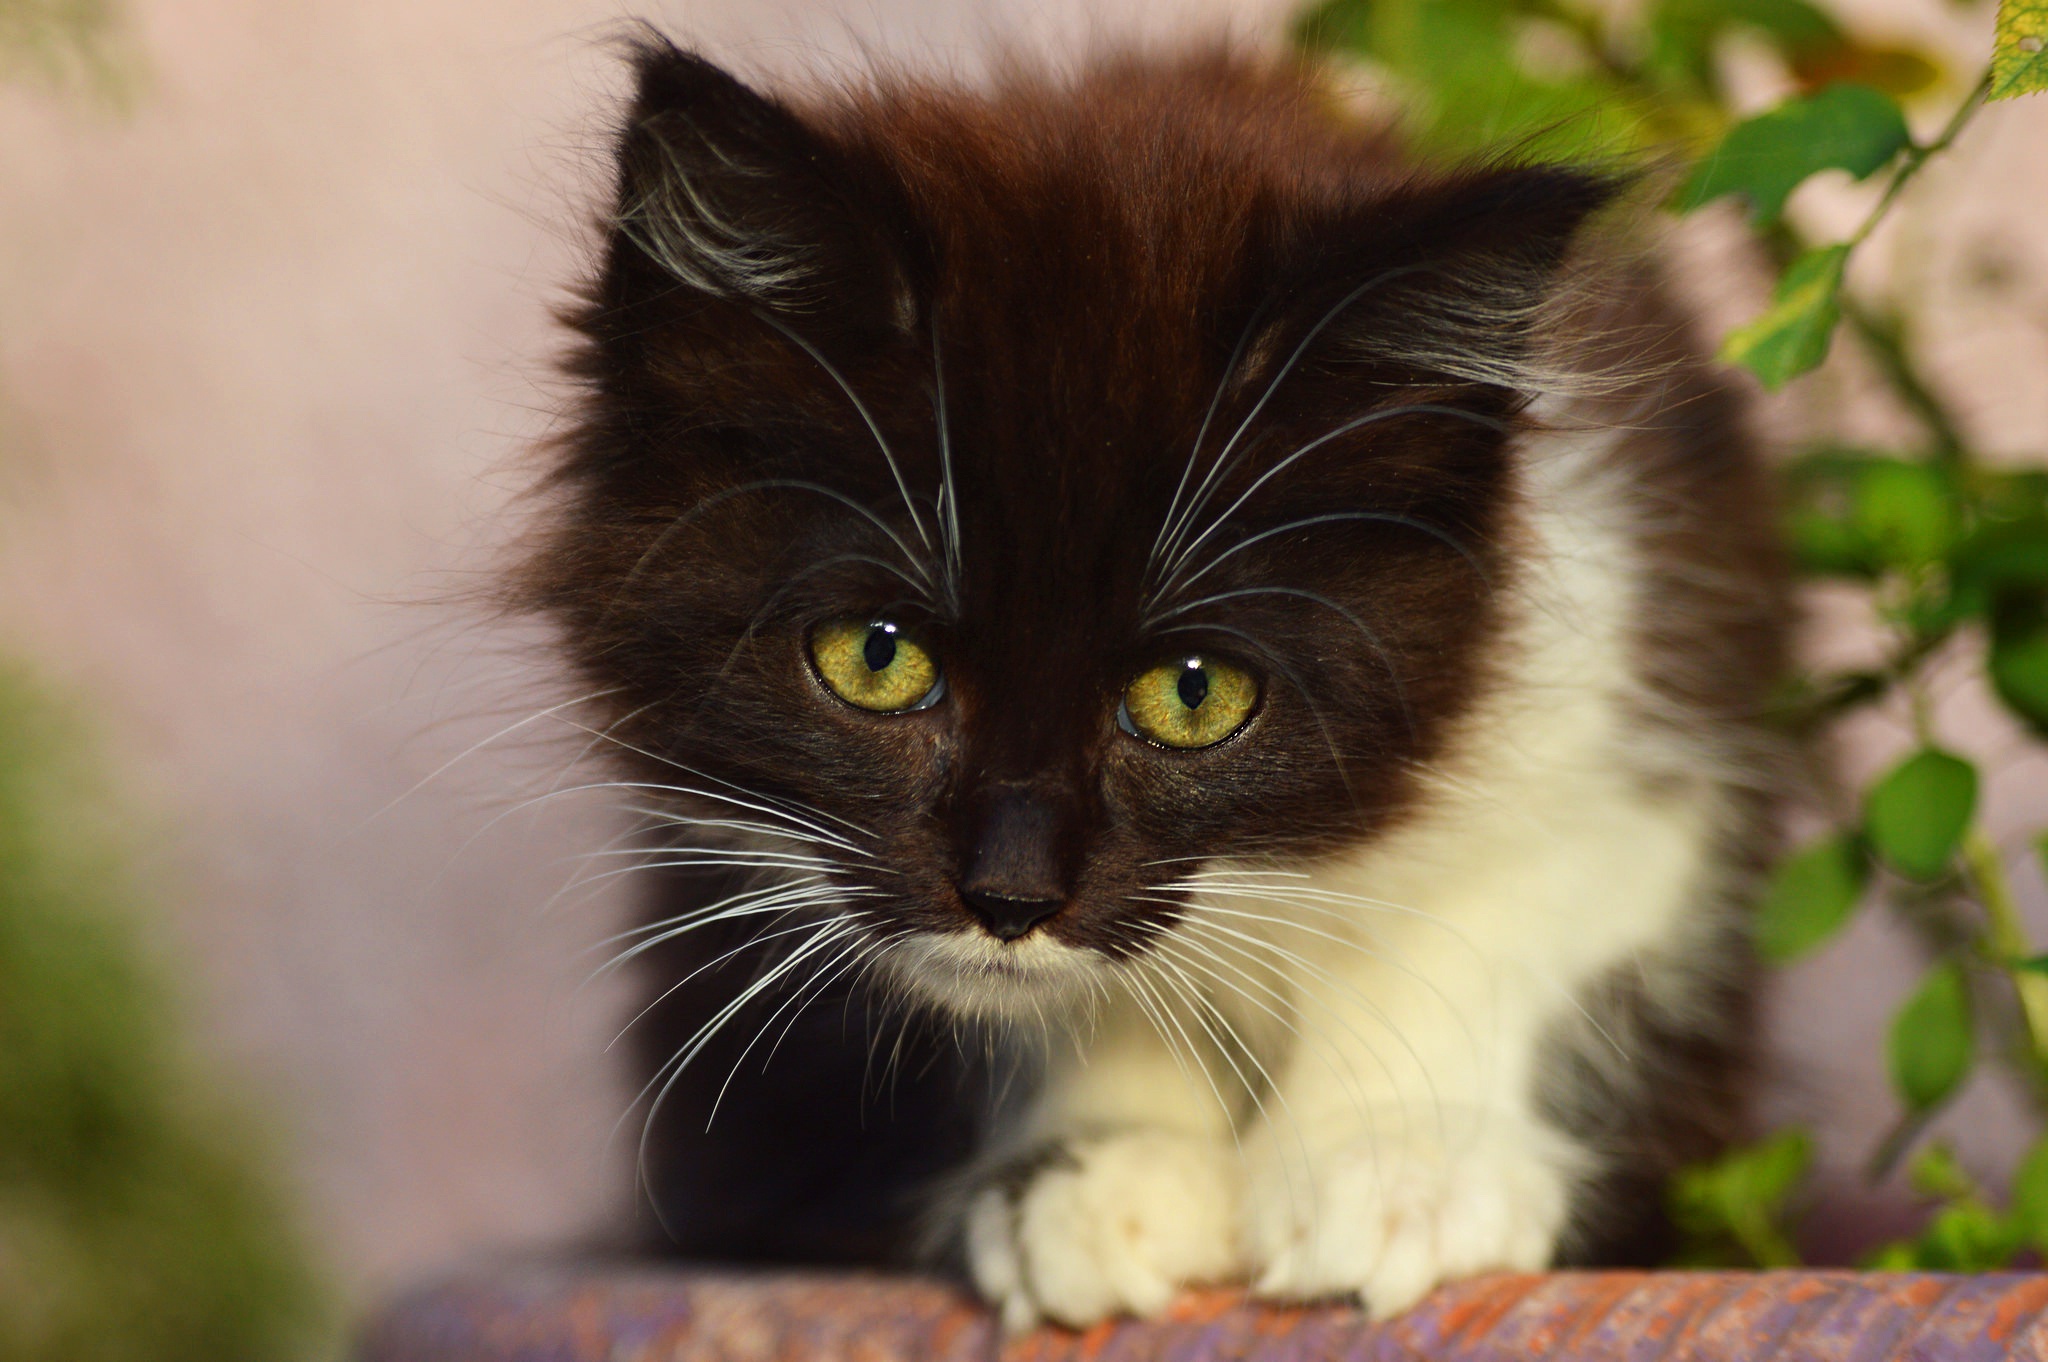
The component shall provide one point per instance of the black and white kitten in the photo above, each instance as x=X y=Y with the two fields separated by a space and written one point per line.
x=1202 y=684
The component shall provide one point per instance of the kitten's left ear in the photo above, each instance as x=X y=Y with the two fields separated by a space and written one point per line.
x=1465 y=278
x=727 y=193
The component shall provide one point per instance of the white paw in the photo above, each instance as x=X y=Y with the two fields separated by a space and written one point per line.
x=1387 y=1220
x=1105 y=1226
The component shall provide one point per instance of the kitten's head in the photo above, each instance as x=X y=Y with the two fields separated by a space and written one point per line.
x=994 y=506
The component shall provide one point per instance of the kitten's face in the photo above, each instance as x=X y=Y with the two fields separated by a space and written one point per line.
x=1015 y=504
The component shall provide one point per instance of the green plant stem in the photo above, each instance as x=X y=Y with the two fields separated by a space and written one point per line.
x=1919 y=155
x=1885 y=337
x=1921 y=708
x=2008 y=939
x=1897 y=1141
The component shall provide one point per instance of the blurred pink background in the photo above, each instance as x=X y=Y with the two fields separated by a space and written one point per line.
x=273 y=348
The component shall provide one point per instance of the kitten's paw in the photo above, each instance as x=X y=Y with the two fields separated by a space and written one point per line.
x=1105 y=1226
x=1389 y=1220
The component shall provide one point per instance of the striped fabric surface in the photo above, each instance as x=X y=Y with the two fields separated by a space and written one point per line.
x=643 y=1315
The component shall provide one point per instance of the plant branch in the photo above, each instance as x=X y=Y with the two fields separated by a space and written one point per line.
x=1920 y=154
x=2008 y=939
x=1897 y=1141
x=1884 y=337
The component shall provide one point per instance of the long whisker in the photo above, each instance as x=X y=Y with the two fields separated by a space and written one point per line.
x=798 y=889
x=667 y=819
x=706 y=863
x=1175 y=978
x=1167 y=586
x=794 y=580
x=674 y=526
x=1179 y=556
x=1316 y=900
x=1229 y=982
x=782 y=810
x=826 y=934
x=799 y=998
x=478 y=746
x=1293 y=678
x=1205 y=490
x=1379 y=648
x=949 y=495
x=1311 y=901
x=888 y=455
x=1237 y=352
x=779 y=907
x=718 y=1019
x=1196 y=923
x=801 y=832
x=1126 y=974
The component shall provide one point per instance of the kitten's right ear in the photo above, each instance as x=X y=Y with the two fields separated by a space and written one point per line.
x=727 y=193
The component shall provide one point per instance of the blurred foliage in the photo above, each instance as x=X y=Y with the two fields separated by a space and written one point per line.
x=136 y=1224
x=1732 y=1212
x=65 y=43
x=139 y=1221
x=1949 y=549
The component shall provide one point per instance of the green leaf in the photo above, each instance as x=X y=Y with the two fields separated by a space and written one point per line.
x=1793 y=335
x=1916 y=816
x=1932 y=1040
x=2030 y=1196
x=1966 y=1236
x=1763 y=159
x=2019 y=667
x=1812 y=894
x=1738 y=1202
x=1900 y=1256
x=1819 y=501
x=2019 y=54
x=1935 y=1172
x=1905 y=512
x=2033 y=964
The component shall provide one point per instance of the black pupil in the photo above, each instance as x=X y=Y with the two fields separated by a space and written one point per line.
x=1194 y=686
x=880 y=650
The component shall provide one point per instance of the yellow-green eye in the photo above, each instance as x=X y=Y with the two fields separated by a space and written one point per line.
x=1190 y=702
x=874 y=665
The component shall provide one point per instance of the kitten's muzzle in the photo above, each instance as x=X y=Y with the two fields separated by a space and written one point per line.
x=1007 y=918
x=1016 y=875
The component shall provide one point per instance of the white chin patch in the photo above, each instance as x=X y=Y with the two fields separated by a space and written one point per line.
x=971 y=974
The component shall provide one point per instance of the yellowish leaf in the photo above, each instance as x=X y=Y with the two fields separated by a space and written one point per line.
x=2019 y=54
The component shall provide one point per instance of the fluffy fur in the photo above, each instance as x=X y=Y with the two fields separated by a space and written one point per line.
x=1437 y=964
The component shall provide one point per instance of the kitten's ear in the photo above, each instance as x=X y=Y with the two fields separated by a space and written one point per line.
x=1470 y=279
x=727 y=193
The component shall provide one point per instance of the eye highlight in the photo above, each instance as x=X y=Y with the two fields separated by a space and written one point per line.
x=1189 y=702
x=874 y=665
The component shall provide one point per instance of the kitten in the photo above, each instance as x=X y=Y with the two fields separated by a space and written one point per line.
x=1200 y=682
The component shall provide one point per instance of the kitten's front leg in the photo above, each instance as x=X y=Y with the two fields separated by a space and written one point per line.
x=1122 y=1186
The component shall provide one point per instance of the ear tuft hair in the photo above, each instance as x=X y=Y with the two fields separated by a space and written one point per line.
x=1488 y=280
x=724 y=189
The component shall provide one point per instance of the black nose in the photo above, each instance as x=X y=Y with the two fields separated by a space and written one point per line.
x=1015 y=874
x=1007 y=918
